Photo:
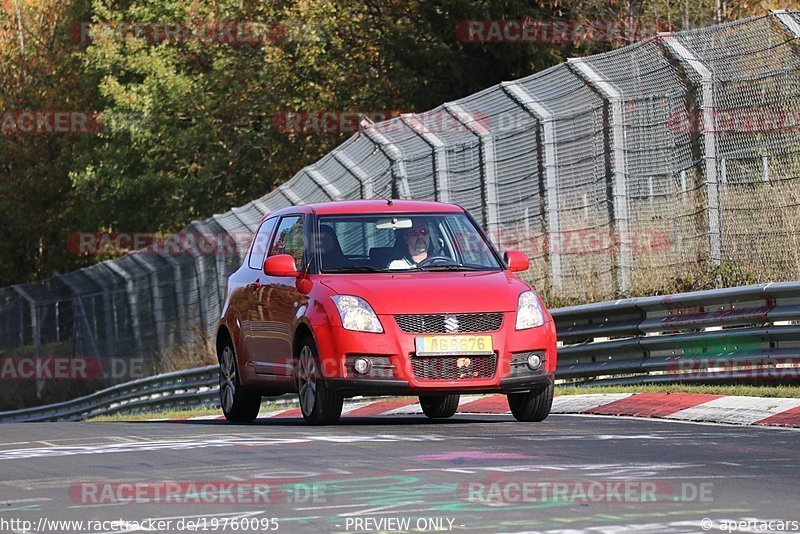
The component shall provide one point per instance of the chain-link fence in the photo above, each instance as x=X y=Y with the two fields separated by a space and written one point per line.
x=616 y=173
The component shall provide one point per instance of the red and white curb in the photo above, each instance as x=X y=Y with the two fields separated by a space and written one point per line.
x=676 y=406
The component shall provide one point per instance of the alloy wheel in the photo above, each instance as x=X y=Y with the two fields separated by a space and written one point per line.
x=307 y=380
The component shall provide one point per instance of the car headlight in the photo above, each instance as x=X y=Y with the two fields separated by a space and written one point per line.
x=356 y=314
x=529 y=311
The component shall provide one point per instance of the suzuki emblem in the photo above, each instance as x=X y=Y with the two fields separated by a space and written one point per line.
x=451 y=323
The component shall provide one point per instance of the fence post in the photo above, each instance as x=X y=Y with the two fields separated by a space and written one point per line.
x=109 y=314
x=130 y=293
x=79 y=314
x=290 y=195
x=180 y=300
x=544 y=117
x=620 y=180
x=785 y=17
x=488 y=161
x=36 y=335
x=156 y=300
x=318 y=178
x=708 y=106
x=395 y=155
x=439 y=154
x=357 y=172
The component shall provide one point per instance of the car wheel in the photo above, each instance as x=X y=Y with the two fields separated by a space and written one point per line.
x=439 y=406
x=238 y=404
x=319 y=405
x=533 y=405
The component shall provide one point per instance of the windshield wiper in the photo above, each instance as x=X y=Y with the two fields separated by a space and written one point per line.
x=449 y=267
x=355 y=269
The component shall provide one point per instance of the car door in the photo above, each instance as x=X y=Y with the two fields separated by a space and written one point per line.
x=254 y=279
x=278 y=300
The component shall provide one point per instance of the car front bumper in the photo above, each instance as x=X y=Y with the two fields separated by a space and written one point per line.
x=361 y=386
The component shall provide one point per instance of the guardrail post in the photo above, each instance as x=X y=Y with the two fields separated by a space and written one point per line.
x=36 y=334
x=679 y=51
x=395 y=155
x=545 y=119
x=358 y=173
x=488 y=162
x=620 y=178
x=318 y=178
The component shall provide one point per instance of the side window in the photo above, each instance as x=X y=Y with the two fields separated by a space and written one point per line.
x=258 y=250
x=289 y=239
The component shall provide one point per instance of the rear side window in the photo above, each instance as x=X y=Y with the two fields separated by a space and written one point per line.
x=258 y=250
x=289 y=239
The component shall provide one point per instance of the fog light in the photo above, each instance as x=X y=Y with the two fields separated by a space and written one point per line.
x=534 y=361
x=362 y=365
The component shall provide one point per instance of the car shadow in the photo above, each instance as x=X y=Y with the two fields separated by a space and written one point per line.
x=393 y=420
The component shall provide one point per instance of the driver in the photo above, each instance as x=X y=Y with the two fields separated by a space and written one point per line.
x=417 y=240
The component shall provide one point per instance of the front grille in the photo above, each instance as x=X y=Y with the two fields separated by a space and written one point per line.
x=449 y=323
x=453 y=367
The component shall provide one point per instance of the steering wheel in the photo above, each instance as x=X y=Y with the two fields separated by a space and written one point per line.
x=431 y=260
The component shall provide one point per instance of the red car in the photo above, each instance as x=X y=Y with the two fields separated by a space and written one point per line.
x=381 y=297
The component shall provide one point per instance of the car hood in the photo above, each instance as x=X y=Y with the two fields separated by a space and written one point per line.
x=417 y=292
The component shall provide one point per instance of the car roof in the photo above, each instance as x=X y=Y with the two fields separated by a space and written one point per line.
x=350 y=207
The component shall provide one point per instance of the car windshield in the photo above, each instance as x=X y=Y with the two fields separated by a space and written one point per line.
x=412 y=242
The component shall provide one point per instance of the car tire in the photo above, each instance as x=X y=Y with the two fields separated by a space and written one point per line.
x=318 y=404
x=439 y=406
x=533 y=406
x=239 y=405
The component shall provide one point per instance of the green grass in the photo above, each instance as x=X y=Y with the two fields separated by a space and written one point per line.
x=173 y=414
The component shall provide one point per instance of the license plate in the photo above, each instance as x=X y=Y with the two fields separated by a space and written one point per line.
x=453 y=345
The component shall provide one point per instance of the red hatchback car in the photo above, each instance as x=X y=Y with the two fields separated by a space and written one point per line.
x=381 y=297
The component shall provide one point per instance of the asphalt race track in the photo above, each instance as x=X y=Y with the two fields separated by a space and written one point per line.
x=471 y=473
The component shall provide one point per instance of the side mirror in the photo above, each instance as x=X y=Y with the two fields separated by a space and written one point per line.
x=280 y=265
x=517 y=261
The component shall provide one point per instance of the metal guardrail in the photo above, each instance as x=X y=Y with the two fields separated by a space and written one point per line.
x=190 y=388
x=741 y=334
x=748 y=334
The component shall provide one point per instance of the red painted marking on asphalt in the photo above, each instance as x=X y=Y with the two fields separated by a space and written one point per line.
x=294 y=412
x=377 y=408
x=653 y=404
x=491 y=404
x=790 y=417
